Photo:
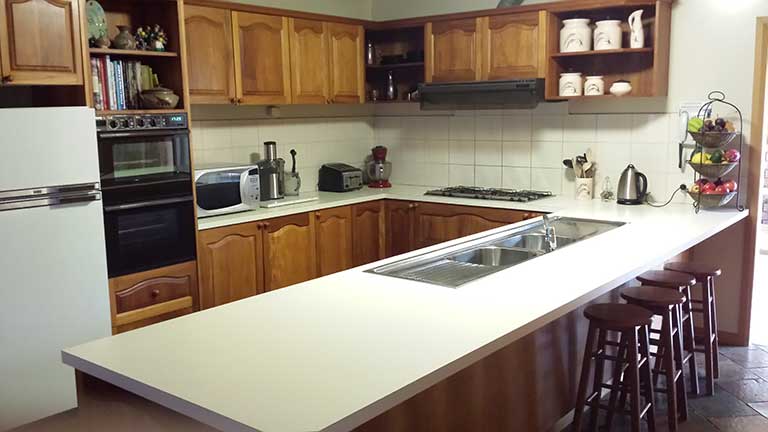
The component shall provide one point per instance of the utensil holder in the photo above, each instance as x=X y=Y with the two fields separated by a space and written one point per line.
x=585 y=189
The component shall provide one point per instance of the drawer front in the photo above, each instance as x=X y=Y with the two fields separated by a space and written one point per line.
x=153 y=291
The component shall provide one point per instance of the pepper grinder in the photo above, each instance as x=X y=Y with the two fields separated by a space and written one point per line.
x=370 y=54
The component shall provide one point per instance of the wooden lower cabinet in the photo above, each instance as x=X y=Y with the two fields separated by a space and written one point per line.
x=141 y=299
x=230 y=264
x=334 y=240
x=438 y=223
x=240 y=261
x=289 y=251
x=368 y=233
x=399 y=222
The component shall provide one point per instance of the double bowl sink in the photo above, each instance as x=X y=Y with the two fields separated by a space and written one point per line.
x=464 y=263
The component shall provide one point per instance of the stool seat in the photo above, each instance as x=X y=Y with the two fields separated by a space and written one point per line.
x=667 y=279
x=653 y=296
x=701 y=271
x=619 y=316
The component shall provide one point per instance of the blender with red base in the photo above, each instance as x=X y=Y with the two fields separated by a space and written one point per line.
x=378 y=169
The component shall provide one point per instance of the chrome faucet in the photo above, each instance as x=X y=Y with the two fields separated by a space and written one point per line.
x=550 y=237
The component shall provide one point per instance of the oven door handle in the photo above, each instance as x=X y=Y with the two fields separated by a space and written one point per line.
x=143 y=133
x=147 y=204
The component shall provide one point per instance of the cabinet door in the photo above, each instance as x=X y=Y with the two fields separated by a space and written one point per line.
x=231 y=266
x=513 y=46
x=334 y=240
x=438 y=223
x=289 y=251
x=210 y=58
x=452 y=50
x=40 y=42
x=309 y=61
x=141 y=299
x=399 y=219
x=347 y=69
x=368 y=233
x=262 y=59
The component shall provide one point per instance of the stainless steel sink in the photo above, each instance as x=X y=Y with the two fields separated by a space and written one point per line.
x=495 y=256
x=460 y=264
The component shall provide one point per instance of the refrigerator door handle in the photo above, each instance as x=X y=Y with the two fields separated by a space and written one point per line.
x=49 y=196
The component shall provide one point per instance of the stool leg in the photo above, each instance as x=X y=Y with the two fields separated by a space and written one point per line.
x=669 y=369
x=707 y=314
x=647 y=379
x=634 y=379
x=586 y=366
x=690 y=341
x=682 y=396
x=618 y=383
x=597 y=381
x=716 y=344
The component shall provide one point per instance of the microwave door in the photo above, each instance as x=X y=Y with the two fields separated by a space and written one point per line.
x=250 y=188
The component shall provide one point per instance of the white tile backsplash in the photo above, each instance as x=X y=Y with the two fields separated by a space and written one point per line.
x=493 y=148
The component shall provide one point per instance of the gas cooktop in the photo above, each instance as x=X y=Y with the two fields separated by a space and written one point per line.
x=491 y=194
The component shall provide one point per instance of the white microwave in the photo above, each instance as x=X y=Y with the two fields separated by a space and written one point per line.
x=223 y=189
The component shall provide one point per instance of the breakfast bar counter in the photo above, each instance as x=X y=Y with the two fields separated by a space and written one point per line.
x=337 y=352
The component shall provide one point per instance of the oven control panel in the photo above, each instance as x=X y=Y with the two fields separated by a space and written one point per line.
x=142 y=122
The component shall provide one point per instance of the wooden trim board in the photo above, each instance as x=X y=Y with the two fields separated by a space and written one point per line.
x=753 y=180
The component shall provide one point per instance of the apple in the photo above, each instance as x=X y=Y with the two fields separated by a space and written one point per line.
x=722 y=190
x=695 y=188
x=731 y=185
x=709 y=192
x=702 y=181
x=708 y=187
x=718 y=182
x=733 y=155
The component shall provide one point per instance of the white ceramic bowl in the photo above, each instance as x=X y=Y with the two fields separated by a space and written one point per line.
x=621 y=88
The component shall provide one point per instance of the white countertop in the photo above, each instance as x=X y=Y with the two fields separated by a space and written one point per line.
x=335 y=352
x=408 y=193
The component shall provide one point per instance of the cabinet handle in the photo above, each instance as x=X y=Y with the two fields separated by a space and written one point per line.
x=240 y=100
x=155 y=293
x=233 y=101
x=266 y=225
x=317 y=215
x=7 y=79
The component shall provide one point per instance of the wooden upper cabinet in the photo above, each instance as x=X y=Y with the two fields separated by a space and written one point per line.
x=231 y=266
x=309 y=62
x=40 y=42
x=452 y=50
x=514 y=46
x=368 y=233
x=347 y=69
x=210 y=58
x=289 y=251
x=334 y=240
x=262 y=63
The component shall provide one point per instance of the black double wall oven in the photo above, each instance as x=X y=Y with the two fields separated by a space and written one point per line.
x=146 y=181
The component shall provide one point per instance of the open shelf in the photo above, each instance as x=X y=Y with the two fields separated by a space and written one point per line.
x=396 y=65
x=605 y=52
x=138 y=112
x=132 y=53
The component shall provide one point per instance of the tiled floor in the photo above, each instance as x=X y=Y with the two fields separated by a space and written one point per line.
x=740 y=403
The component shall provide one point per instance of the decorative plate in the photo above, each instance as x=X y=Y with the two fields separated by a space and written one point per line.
x=97 y=20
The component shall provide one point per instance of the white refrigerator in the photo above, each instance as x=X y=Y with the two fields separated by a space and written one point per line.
x=53 y=271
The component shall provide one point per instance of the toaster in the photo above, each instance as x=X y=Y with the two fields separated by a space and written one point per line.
x=339 y=177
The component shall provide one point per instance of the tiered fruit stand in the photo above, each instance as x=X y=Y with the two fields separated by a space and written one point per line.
x=710 y=142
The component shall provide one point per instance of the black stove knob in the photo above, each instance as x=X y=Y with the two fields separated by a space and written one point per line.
x=113 y=124
x=125 y=124
x=152 y=122
x=140 y=122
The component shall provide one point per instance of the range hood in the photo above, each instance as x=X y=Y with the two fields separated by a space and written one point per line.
x=513 y=94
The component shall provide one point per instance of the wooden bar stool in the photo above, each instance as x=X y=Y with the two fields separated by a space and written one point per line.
x=707 y=306
x=632 y=323
x=665 y=303
x=682 y=283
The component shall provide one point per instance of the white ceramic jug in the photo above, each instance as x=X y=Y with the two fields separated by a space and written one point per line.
x=637 y=33
x=608 y=35
x=575 y=35
x=571 y=84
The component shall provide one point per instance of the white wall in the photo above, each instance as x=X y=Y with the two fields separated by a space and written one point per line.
x=396 y=9
x=360 y=9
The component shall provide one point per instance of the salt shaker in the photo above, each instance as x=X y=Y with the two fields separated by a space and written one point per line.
x=607 y=194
